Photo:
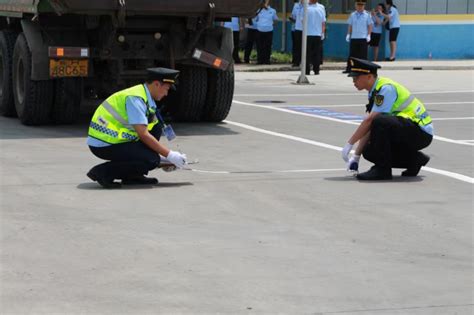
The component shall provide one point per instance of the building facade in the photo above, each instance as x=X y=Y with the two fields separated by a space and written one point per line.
x=437 y=29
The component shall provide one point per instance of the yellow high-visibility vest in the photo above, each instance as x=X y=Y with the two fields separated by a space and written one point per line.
x=406 y=105
x=110 y=121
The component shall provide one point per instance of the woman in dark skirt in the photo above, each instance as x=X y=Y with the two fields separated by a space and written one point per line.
x=379 y=21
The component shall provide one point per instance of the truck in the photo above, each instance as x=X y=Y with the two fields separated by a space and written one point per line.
x=55 y=53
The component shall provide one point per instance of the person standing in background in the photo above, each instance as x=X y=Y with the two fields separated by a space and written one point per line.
x=295 y=51
x=298 y=33
x=323 y=36
x=358 y=33
x=265 y=19
x=252 y=33
x=316 y=28
x=394 y=22
x=235 y=26
x=378 y=23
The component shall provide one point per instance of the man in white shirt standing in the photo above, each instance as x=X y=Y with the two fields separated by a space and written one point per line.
x=316 y=28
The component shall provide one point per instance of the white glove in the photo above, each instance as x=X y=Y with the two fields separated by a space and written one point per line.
x=353 y=164
x=322 y=36
x=348 y=38
x=345 y=151
x=368 y=38
x=177 y=158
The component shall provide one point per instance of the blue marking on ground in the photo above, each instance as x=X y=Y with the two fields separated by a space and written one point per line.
x=325 y=112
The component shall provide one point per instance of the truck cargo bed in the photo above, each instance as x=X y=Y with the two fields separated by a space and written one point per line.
x=223 y=8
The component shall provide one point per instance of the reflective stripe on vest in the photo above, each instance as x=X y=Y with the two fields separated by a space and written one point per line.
x=110 y=120
x=406 y=105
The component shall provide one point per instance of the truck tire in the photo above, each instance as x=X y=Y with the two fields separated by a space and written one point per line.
x=7 y=43
x=220 y=92
x=67 y=100
x=191 y=94
x=33 y=99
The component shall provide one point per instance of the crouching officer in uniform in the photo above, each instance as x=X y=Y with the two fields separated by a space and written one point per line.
x=396 y=128
x=125 y=131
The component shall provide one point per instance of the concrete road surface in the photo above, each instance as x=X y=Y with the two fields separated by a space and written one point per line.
x=269 y=222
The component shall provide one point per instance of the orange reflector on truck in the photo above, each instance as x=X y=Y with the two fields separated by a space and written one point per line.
x=68 y=52
x=210 y=59
x=67 y=62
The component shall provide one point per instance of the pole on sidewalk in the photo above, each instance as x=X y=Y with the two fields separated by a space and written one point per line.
x=302 y=78
x=283 y=27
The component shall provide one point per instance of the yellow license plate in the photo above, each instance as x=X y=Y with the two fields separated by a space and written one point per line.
x=68 y=68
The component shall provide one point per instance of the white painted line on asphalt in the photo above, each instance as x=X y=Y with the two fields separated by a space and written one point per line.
x=268 y=171
x=362 y=105
x=295 y=113
x=281 y=135
x=457 y=176
x=352 y=94
x=453 y=118
x=349 y=122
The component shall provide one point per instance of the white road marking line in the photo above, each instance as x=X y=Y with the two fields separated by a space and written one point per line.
x=352 y=94
x=460 y=177
x=457 y=176
x=266 y=172
x=453 y=118
x=434 y=119
x=349 y=122
x=362 y=105
x=281 y=135
x=295 y=112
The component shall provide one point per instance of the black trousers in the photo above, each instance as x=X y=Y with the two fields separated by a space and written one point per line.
x=298 y=37
x=313 y=53
x=264 y=47
x=235 y=52
x=359 y=48
x=394 y=142
x=322 y=52
x=293 y=48
x=126 y=160
x=249 y=43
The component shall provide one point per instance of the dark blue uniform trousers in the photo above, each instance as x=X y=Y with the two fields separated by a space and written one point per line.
x=394 y=142
x=126 y=160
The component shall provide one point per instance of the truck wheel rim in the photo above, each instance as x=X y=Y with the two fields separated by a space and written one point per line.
x=20 y=81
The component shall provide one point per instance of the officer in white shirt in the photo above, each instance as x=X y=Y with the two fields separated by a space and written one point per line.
x=358 y=32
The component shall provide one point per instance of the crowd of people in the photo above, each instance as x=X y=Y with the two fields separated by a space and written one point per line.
x=364 y=31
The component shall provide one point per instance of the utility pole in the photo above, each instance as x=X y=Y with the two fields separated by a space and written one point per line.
x=302 y=78
x=283 y=28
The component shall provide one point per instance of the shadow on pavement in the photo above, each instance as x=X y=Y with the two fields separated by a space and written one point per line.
x=395 y=179
x=95 y=186
x=11 y=128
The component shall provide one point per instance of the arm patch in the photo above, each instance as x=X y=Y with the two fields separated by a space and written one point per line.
x=379 y=100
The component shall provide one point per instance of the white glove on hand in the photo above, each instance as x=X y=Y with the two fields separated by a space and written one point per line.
x=345 y=151
x=322 y=36
x=348 y=38
x=177 y=158
x=368 y=38
x=353 y=164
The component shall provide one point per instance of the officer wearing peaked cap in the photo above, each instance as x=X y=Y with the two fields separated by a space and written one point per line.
x=125 y=131
x=396 y=128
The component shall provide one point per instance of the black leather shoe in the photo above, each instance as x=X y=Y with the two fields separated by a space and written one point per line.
x=140 y=180
x=376 y=173
x=104 y=182
x=345 y=71
x=421 y=160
